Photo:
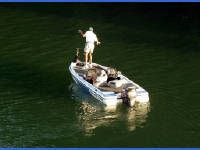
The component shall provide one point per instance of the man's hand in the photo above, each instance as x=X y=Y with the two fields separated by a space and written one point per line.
x=98 y=42
x=80 y=31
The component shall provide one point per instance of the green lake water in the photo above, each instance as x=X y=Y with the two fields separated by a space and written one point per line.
x=41 y=106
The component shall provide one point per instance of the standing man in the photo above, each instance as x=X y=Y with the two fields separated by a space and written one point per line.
x=89 y=45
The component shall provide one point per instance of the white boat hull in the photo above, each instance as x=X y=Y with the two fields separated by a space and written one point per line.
x=108 y=98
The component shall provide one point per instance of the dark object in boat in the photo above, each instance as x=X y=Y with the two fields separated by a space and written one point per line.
x=111 y=79
x=91 y=76
x=80 y=64
x=91 y=79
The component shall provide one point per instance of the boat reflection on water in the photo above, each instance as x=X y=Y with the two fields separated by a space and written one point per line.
x=91 y=117
x=136 y=117
x=93 y=114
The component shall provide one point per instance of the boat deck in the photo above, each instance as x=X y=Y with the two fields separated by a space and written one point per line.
x=82 y=72
x=104 y=86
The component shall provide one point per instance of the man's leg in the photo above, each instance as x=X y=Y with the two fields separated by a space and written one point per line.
x=86 y=58
x=90 y=54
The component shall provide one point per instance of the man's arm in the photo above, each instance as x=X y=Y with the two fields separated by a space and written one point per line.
x=81 y=32
x=97 y=41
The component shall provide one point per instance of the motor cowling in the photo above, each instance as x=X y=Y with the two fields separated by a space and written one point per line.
x=129 y=96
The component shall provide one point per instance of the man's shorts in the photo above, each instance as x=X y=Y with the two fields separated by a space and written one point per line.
x=89 y=47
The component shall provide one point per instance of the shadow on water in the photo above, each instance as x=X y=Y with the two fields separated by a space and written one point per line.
x=145 y=15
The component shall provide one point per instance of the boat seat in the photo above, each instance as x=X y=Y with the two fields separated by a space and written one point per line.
x=106 y=87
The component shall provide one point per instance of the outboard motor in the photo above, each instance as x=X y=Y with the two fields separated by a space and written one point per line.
x=129 y=96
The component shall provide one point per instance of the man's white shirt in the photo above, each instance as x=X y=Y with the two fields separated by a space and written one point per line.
x=90 y=37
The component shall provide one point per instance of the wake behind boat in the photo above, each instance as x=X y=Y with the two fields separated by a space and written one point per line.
x=115 y=89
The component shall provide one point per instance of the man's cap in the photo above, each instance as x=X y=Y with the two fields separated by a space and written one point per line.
x=91 y=28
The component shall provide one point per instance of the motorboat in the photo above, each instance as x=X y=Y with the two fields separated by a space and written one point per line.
x=116 y=89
